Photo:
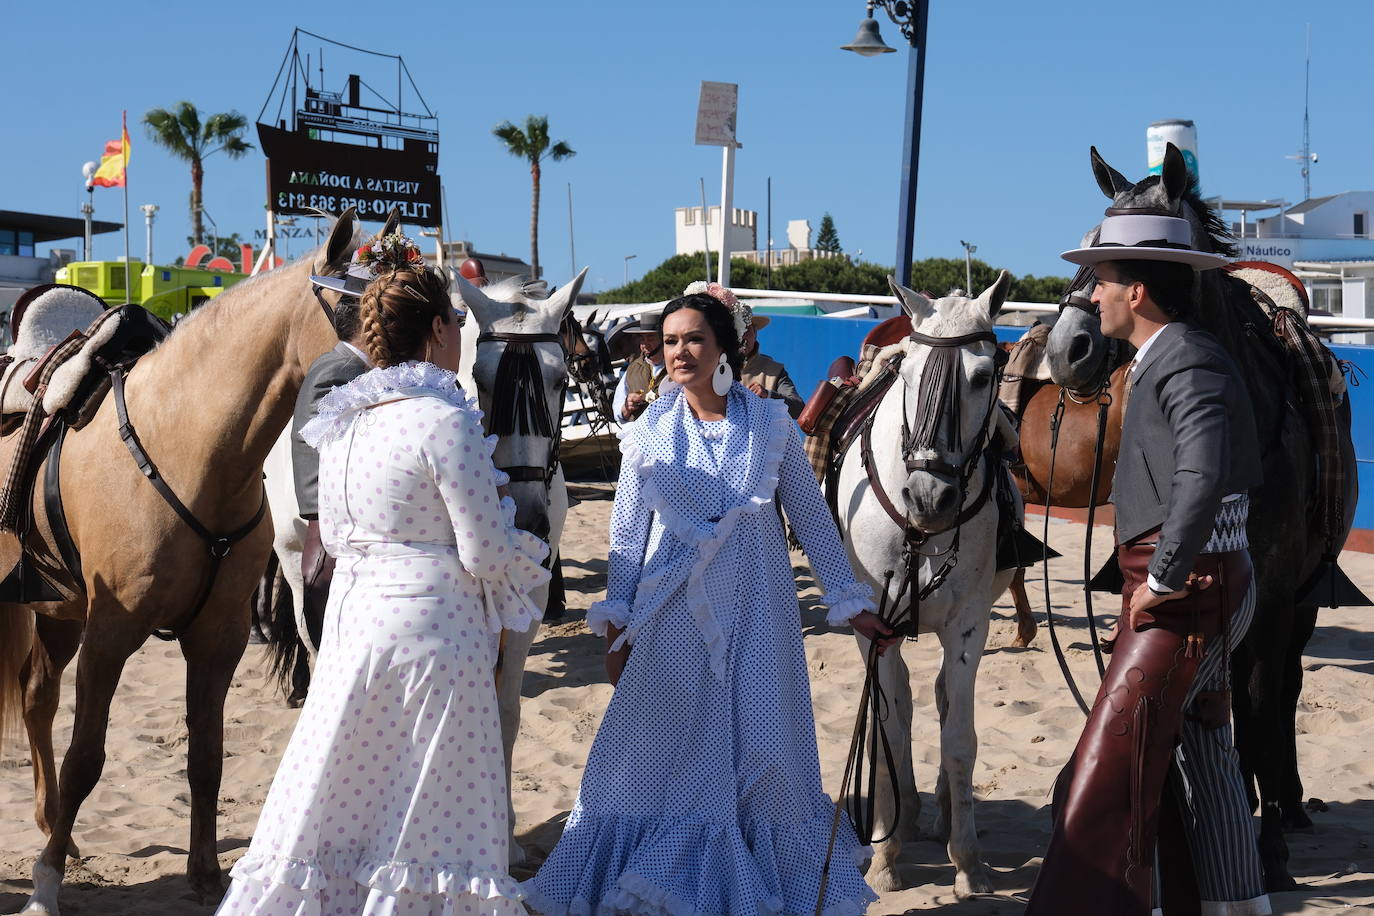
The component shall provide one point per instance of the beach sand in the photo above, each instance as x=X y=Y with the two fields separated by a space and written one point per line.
x=133 y=829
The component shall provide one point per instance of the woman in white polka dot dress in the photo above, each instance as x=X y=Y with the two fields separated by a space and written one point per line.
x=702 y=795
x=390 y=798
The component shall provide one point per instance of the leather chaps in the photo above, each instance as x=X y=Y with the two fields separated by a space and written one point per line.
x=1106 y=802
x=317 y=569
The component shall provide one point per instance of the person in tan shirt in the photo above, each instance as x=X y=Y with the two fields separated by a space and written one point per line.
x=762 y=374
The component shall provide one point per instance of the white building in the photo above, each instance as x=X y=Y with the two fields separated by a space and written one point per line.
x=697 y=228
x=1326 y=241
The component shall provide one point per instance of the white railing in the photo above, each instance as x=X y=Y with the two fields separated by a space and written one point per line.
x=1040 y=308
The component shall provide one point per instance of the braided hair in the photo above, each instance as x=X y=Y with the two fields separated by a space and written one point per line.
x=398 y=309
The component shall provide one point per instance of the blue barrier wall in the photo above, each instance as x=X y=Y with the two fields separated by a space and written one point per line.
x=807 y=346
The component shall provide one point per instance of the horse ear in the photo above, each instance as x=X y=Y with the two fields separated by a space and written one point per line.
x=1175 y=173
x=564 y=298
x=1108 y=179
x=393 y=222
x=337 y=249
x=917 y=307
x=996 y=294
x=476 y=301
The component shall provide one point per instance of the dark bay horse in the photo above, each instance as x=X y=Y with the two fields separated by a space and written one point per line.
x=1286 y=538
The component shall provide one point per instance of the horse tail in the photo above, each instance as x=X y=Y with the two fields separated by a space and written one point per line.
x=16 y=642
x=288 y=653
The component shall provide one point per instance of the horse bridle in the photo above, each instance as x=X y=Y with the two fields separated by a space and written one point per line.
x=526 y=473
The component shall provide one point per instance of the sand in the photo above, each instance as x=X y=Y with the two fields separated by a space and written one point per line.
x=133 y=829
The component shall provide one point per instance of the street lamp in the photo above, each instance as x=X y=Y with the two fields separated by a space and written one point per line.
x=968 y=266
x=88 y=208
x=214 y=232
x=149 y=213
x=627 y=267
x=910 y=17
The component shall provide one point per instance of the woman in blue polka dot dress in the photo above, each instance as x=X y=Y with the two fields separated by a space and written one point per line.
x=702 y=794
x=390 y=798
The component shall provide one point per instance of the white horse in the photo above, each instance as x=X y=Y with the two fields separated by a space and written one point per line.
x=920 y=454
x=515 y=362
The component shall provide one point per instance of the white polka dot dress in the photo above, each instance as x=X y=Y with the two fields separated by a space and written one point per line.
x=702 y=795
x=391 y=797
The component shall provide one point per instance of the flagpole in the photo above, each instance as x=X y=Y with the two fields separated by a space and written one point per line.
x=123 y=141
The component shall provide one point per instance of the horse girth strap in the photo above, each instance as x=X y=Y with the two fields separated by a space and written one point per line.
x=218 y=546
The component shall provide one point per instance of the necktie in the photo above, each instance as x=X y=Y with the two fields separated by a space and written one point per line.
x=1126 y=389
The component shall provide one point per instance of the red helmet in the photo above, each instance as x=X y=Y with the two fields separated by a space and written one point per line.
x=473 y=271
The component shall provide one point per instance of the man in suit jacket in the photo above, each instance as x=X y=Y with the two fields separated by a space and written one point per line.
x=342 y=364
x=1188 y=455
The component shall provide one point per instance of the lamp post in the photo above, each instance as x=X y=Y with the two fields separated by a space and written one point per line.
x=911 y=18
x=627 y=267
x=88 y=208
x=214 y=232
x=149 y=213
x=968 y=266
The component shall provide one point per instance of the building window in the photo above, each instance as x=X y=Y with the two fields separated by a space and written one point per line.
x=1361 y=225
x=26 y=244
x=8 y=242
x=689 y=216
x=1326 y=297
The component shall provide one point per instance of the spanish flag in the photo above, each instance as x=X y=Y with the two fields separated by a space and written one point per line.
x=115 y=161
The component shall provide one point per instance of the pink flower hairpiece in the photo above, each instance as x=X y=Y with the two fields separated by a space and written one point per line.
x=390 y=252
x=741 y=313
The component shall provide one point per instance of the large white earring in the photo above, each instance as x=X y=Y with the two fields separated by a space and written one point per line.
x=723 y=377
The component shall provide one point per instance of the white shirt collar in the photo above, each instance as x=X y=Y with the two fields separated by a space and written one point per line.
x=359 y=353
x=1140 y=353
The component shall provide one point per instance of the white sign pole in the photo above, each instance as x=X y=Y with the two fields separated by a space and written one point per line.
x=716 y=113
x=727 y=200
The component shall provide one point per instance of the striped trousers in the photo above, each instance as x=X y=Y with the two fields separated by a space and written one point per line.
x=1216 y=811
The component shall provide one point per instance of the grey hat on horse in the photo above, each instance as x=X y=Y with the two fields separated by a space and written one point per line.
x=1143 y=236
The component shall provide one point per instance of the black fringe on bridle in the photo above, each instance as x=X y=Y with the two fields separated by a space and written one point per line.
x=937 y=400
x=519 y=407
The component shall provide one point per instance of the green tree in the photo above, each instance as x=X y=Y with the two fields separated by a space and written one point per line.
x=827 y=239
x=181 y=132
x=532 y=144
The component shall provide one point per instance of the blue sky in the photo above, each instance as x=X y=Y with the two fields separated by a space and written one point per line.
x=1015 y=94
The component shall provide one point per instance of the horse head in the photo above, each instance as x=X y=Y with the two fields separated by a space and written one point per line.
x=1077 y=351
x=589 y=362
x=519 y=368
x=948 y=395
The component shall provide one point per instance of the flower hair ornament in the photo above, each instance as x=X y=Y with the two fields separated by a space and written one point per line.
x=738 y=311
x=389 y=252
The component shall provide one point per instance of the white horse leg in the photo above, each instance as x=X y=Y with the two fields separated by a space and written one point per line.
x=47 y=881
x=288 y=528
x=514 y=655
x=959 y=752
x=895 y=679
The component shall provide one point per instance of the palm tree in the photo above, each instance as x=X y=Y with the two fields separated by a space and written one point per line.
x=182 y=134
x=532 y=144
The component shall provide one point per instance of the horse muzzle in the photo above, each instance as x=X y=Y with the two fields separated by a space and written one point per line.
x=1076 y=351
x=932 y=500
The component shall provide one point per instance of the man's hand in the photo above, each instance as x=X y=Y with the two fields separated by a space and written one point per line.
x=634 y=405
x=1142 y=599
x=874 y=630
x=757 y=389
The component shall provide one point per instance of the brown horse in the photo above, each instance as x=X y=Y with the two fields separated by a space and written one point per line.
x=1072 y=458
x=207 y=404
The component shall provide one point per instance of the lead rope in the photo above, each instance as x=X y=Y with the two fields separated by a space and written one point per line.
x=1104 y=402
x=1055 y=419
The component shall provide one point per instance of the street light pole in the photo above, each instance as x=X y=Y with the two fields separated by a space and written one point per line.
x=88 y=208
x=968 y=266
x=911 y=18
x=627 y=267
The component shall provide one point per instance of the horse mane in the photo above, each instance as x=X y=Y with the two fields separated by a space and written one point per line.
x=1218 y=232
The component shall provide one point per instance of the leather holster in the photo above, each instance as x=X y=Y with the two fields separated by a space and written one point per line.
x=1106 y=801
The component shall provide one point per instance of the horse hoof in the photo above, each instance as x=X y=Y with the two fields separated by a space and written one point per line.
x=207 y=888
x=884 y=878
x=973 y=883
x=1278 y=881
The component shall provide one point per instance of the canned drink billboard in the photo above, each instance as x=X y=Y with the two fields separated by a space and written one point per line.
x=1180 y=133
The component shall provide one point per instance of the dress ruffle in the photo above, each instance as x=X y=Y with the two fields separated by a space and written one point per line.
x=456 y=883
x=337 y=409
x=614 y=613
x=773 y=422
x=847 y=602
x=631 y=864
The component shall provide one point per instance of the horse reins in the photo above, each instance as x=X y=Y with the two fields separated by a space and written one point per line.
x=868 y=739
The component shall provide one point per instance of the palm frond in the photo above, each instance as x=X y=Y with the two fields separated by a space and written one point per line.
x=561 y=151
x=517 y=144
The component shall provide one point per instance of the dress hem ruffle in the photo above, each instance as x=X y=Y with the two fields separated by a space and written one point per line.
x=388 y=877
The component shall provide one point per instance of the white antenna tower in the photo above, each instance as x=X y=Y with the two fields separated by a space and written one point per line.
x=1305 y=155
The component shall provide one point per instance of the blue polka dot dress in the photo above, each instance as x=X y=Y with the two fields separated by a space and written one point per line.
x=702 y=795
x=391 y=796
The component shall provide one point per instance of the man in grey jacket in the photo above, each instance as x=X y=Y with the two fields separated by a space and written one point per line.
x=1188 y=455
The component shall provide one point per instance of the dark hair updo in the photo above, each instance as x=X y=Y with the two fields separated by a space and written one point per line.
x=397 y=312
x=719 y=319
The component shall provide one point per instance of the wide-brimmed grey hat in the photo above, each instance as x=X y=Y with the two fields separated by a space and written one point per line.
x=352 y=283
x=1141 y=236
x=650 y=322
